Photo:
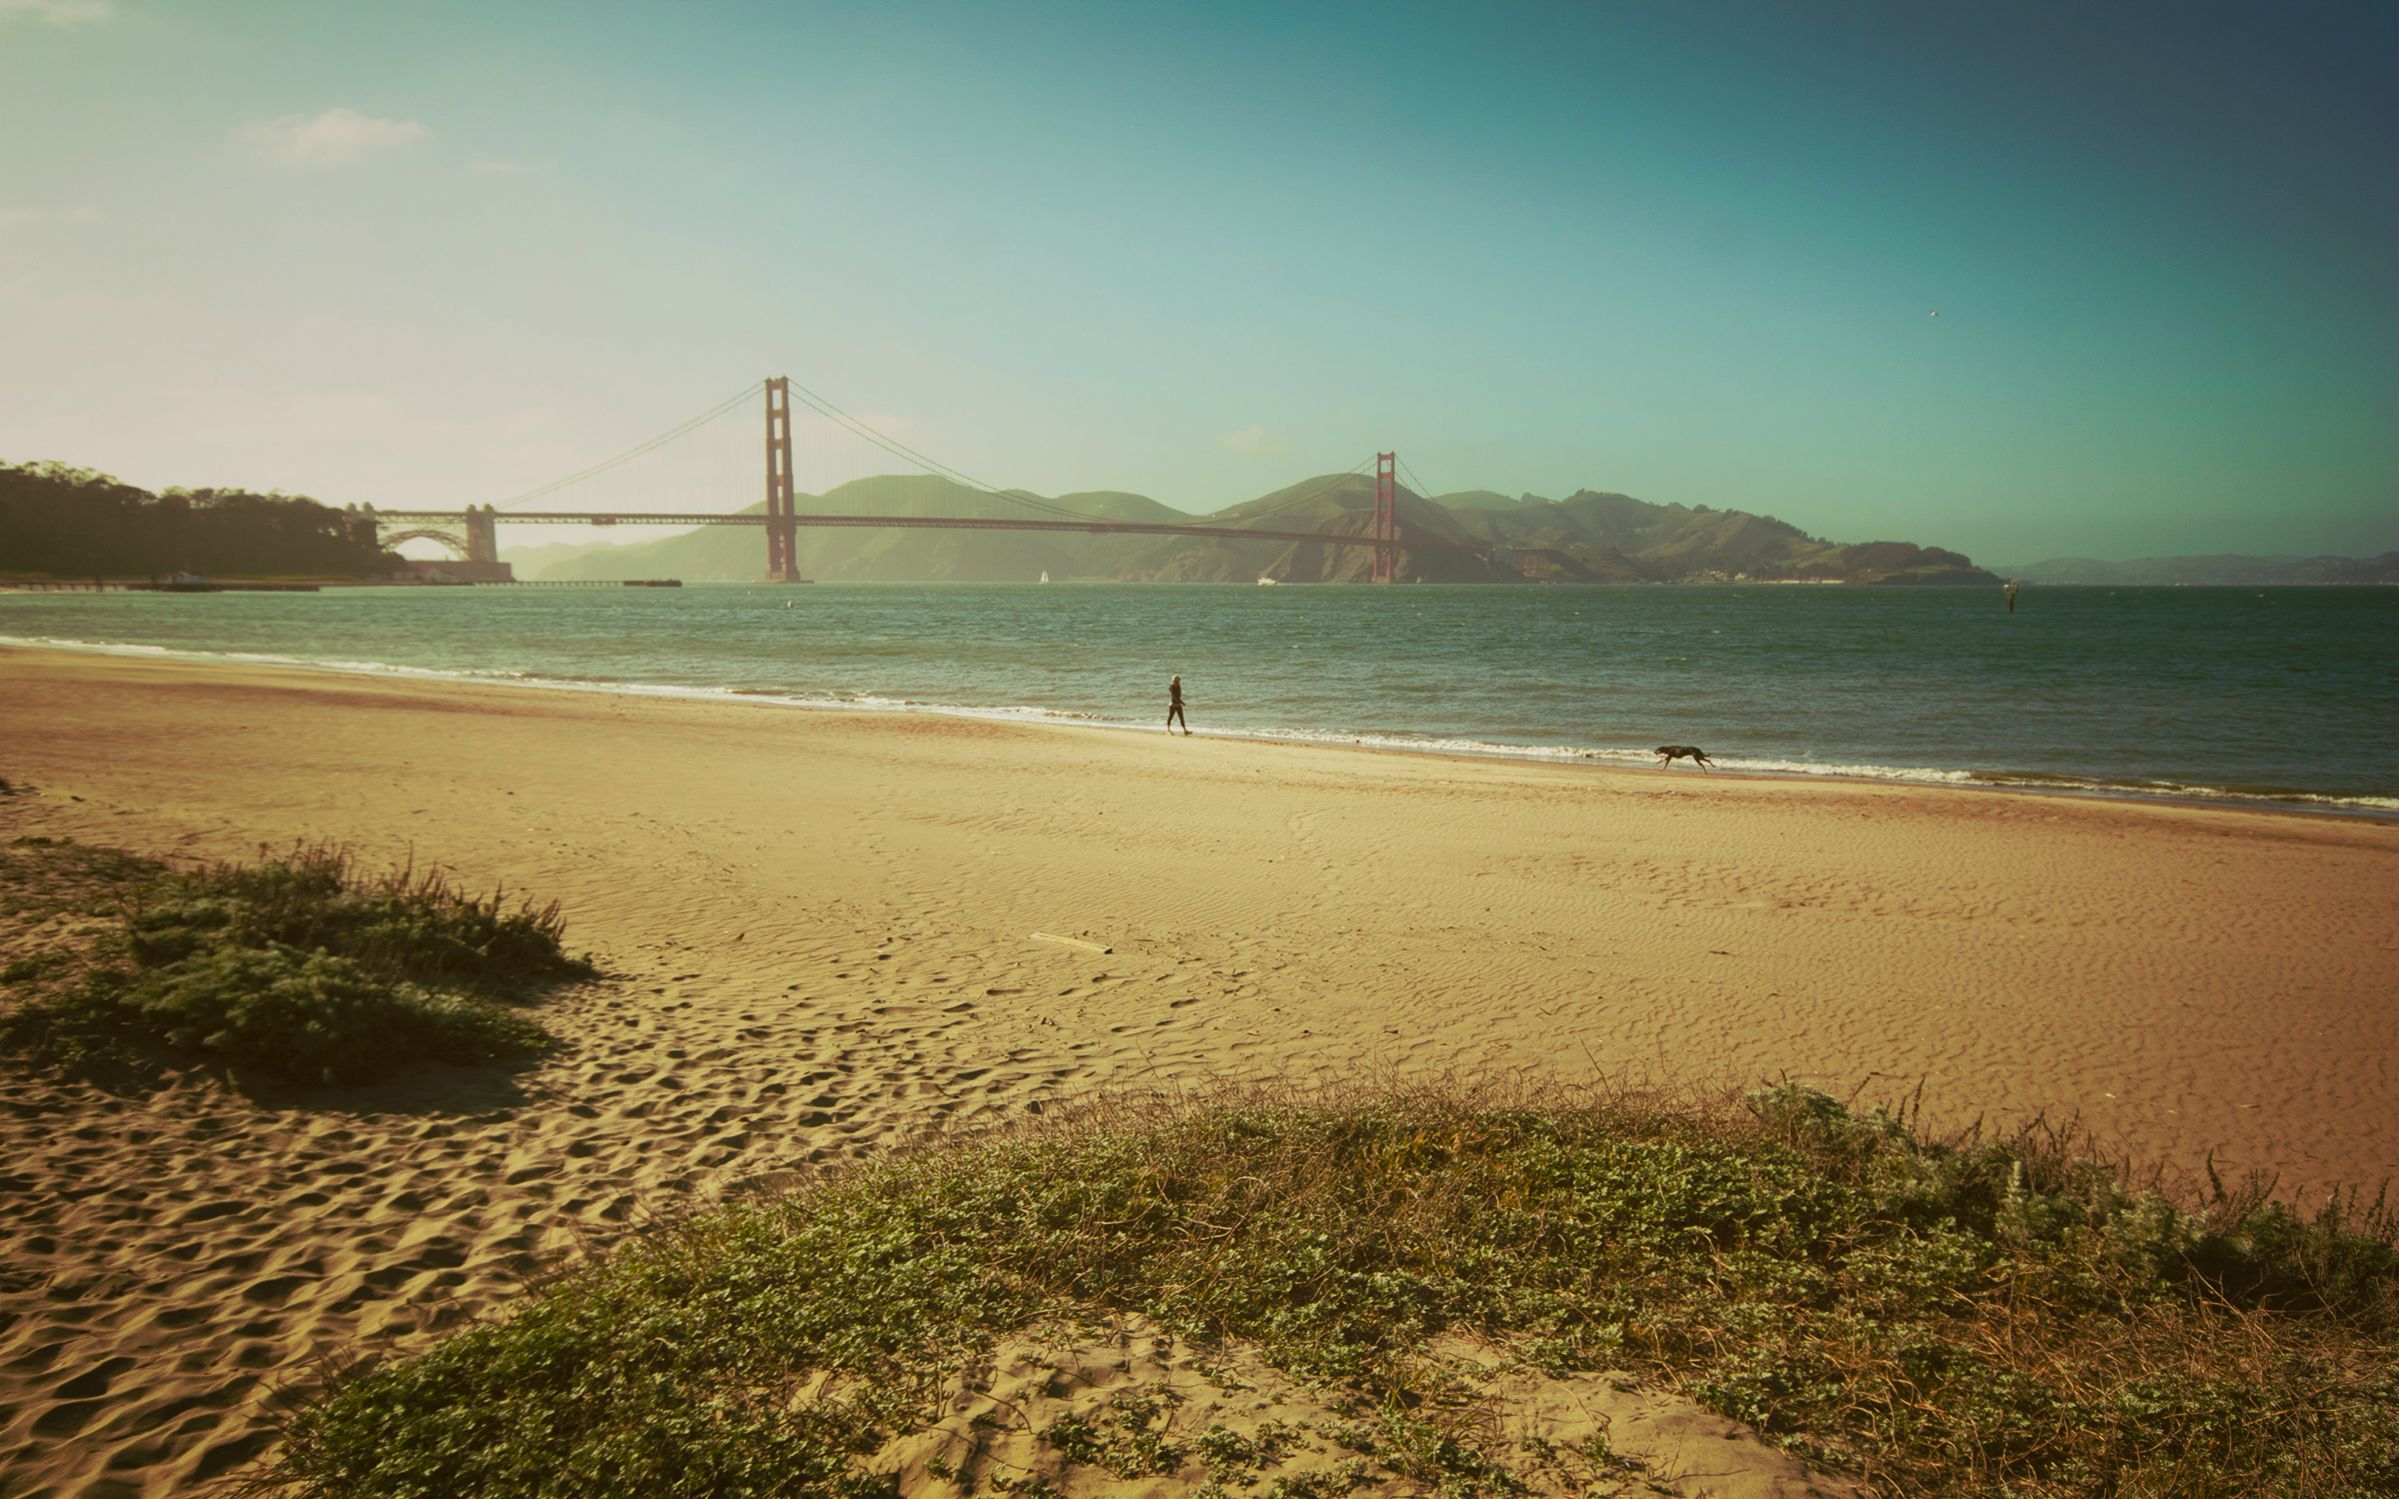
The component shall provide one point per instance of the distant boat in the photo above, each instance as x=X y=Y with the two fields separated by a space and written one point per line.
x=1045 y=575
x=1265 y=582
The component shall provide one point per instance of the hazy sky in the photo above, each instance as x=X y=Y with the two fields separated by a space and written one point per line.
x=434 y=252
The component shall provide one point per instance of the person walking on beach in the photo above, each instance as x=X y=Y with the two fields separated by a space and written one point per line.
x=1174 y=706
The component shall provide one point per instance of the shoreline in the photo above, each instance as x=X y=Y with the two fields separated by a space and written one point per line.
x=2301 y=803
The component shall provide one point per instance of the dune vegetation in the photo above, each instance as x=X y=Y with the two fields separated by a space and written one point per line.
x=1946 y=1317
x=299 y=966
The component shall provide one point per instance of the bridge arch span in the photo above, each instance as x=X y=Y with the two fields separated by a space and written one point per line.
x=451 y=539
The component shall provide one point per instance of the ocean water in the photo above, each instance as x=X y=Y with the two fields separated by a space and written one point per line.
x=2286 y=695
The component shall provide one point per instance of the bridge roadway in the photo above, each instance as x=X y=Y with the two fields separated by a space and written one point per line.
x=922 y=522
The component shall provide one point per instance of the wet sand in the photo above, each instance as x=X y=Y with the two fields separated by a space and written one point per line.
x=821 y=934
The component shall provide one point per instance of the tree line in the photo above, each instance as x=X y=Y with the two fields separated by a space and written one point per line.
x=65 y=522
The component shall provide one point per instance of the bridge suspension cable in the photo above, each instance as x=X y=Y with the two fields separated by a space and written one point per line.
x=899 y=449
x=682 y=429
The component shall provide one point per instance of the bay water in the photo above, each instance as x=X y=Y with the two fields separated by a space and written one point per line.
x=2279 y=695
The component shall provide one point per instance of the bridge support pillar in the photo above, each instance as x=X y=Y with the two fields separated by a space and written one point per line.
x=482 y=534
x=1386 y=517
x=782 y=529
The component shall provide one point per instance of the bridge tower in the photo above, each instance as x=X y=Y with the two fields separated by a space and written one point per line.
x=482 y=534
x=782 y=529
x=1386 y=517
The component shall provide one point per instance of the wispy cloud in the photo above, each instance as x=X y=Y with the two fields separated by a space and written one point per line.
x=57 y=12
x=1251 y=442
x=337 y=138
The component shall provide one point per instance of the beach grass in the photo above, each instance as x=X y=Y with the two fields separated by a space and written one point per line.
x=1960 y=1316
x=301 y=966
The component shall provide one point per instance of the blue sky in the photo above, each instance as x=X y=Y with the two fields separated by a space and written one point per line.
x=440 y=252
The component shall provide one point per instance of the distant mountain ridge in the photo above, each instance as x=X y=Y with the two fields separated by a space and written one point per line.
x=2223 y=568
x=1587 y=537
x=1613 y=538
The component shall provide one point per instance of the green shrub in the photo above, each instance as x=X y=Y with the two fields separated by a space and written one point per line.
x=306 y=1015
x=409 y=922
x=295 y=966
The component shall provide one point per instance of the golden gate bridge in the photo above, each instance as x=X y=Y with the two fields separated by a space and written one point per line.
x=472 y=532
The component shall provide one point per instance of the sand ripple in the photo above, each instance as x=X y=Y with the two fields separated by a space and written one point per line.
x=819 y=931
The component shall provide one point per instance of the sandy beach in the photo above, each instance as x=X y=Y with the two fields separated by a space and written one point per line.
x=827 y=933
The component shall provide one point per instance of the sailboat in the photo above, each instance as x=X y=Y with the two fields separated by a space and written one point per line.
x=1045 y=575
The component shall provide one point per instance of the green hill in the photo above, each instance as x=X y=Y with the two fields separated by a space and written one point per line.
x=1588 y=537
x=1593 y=536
